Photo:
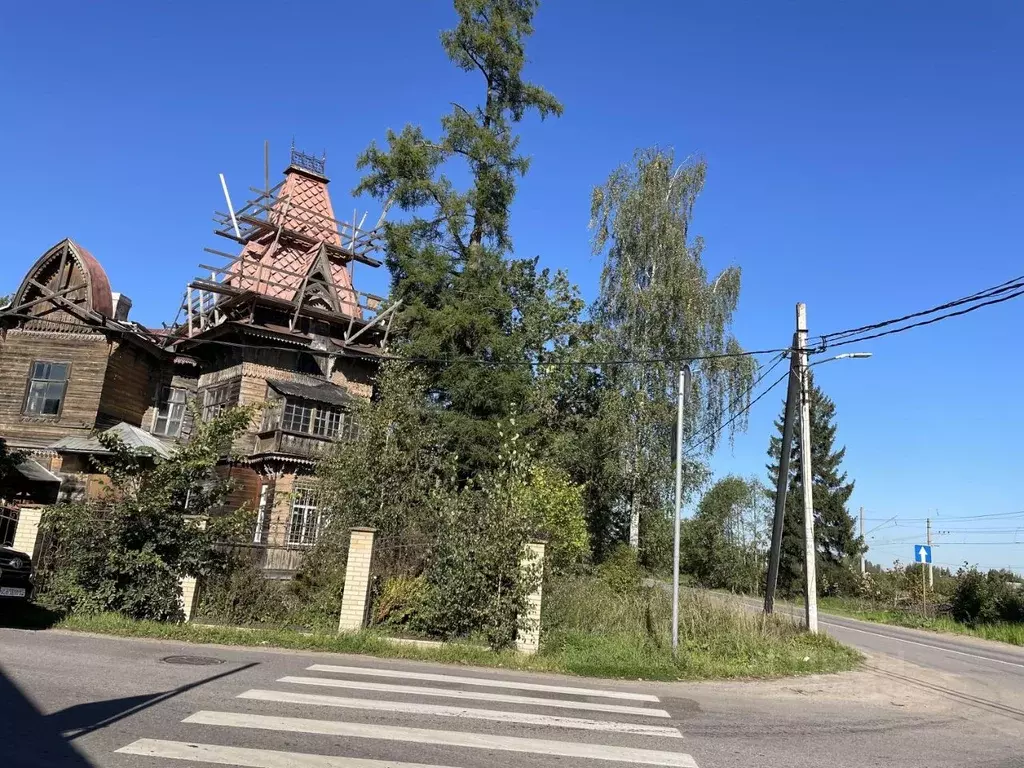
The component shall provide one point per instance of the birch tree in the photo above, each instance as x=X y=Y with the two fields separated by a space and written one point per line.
x=659 y=305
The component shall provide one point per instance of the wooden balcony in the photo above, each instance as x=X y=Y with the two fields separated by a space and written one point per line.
x=291 y=443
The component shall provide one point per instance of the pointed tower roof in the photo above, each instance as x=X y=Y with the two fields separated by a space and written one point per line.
x=298 y=244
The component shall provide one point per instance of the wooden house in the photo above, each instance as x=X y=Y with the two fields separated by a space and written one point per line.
x=277 y=321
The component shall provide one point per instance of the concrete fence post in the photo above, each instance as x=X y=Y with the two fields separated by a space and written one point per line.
x=26 y=535
x=532 y=564
x=357 y=580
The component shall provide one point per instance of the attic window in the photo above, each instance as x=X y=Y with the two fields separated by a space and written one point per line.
x=46 y=388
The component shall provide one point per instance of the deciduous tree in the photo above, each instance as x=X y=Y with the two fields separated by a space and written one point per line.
x=658 y=306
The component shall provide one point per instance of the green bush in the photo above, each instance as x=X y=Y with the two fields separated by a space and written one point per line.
x=241 y=595
x=554 y=506
x=987 y=598
x=399 y=602
x=126 y=552
x=621 y=570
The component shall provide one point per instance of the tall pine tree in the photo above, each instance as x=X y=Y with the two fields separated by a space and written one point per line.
x=482 y=315
x=837 y=544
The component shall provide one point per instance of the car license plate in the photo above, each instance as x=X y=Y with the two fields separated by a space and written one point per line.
x=12 y=592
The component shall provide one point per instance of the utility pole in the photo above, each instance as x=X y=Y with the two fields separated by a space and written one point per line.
x=684 y=385
x=782 y=484
x=863 y=554
x=807 y=478
x=928 y=541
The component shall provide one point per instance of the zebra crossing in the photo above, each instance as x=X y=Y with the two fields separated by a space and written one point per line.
x=348 y=715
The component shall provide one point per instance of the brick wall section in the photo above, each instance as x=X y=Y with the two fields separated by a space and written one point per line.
x=357 y=580
x=26 y=535
x=528 y=640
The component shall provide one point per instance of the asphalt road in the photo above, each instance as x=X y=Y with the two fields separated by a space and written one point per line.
x=70 y=701
x=990 y=672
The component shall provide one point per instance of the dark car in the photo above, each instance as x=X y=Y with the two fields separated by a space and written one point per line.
x=15 y=575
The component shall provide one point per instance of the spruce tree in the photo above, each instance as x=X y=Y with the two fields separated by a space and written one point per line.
x=836 y=542
x=474 y=317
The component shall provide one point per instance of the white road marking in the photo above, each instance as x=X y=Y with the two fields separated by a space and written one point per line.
x=252 y=758
x=445 y=738
x=923 y=645
x=485 y=682
x=450 y=693
x=412 y=708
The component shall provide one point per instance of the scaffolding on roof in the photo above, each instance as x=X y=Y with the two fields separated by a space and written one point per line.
x=295 y=256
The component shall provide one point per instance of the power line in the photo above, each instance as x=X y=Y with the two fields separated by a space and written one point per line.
x=938 y=519
x=825 y=344
x=594 y=363
x=1010 y=285
x=711 y=423
x=736 y=415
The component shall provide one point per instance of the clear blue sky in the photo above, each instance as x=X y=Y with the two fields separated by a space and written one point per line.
x=865 y=158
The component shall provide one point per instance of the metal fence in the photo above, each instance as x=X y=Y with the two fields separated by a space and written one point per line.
x=8 y=525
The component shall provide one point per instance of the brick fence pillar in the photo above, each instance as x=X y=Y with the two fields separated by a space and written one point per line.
x=532 y=566
x=357 y=580
x=188 y=596
x=26 y=535
x=189 y=585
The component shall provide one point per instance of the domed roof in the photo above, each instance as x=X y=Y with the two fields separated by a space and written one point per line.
x=66 y=274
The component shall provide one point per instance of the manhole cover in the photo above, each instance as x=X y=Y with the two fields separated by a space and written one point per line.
x=194 y=661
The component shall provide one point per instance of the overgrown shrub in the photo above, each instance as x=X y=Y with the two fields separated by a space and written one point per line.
x=241 y=595
x=554 y=507
x=475 y=582
x=399 y=602
x=465 y=539
x=981 y=598
x=125 y=552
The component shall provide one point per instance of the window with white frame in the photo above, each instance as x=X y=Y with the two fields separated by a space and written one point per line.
x=310 y=418
x=327 y=422
x=170 y=413
x=47 y=385
x=305 y=520
x=296 y=416
x=259 y=536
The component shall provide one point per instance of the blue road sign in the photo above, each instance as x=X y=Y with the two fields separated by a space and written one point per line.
x=922 y=553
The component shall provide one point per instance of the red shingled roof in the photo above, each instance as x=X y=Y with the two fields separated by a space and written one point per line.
x=304 y=204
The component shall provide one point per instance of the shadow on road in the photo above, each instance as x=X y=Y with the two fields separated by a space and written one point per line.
x=20 y=615
x=80 y=719
x=30 y=739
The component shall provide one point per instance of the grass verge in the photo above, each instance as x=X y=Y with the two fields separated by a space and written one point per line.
x=600 y=629
x=857 y=609
x=592 y=628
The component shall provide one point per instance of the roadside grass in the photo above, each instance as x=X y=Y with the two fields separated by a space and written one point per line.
x=590 y=629
x=593 y=628
x=1012 y=634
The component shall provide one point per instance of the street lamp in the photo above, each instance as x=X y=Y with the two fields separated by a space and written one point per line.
x=845 y=356
x=684 y=385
